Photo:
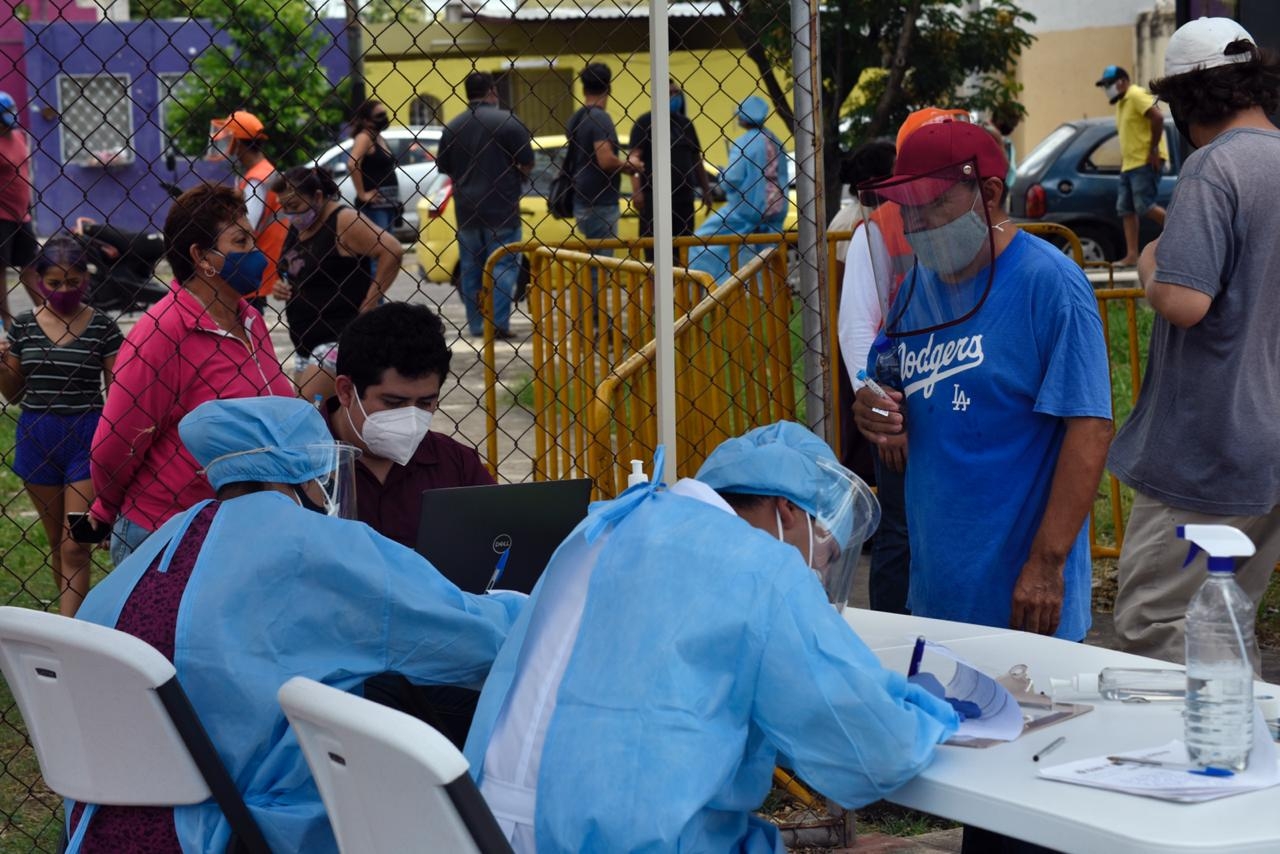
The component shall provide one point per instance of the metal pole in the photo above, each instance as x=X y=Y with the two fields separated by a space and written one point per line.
x=660 y=192
x=812 y=214
x=355 y=55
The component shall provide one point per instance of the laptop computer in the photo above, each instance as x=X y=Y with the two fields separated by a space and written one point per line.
x=465 y=530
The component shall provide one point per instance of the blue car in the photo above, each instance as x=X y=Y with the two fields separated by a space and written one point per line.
x=1072 y=178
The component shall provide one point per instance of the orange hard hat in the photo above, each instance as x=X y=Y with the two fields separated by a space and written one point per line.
x=928 y=116
x=239 y=125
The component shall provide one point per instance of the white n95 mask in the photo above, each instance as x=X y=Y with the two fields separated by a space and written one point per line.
x=393 y=434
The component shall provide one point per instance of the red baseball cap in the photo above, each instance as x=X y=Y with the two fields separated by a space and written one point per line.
x=938 y=155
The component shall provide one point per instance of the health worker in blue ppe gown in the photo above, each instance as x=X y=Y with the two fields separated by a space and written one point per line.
x=267 y=582
x=681 y=641
x=755 y=187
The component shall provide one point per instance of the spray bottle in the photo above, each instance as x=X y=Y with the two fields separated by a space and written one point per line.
x=1220 y=641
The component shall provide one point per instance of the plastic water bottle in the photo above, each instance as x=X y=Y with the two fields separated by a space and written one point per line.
x=888 y=365
x=1219 y=635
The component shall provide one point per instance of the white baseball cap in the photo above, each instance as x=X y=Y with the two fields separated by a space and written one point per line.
x=1202 y=44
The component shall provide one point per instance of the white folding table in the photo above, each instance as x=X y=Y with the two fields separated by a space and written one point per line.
x=997 y=788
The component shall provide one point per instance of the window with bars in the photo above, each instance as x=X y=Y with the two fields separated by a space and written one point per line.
x=96 y=119
x=426 y=110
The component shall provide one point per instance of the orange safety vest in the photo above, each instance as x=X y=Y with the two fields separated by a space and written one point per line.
x=272 y=228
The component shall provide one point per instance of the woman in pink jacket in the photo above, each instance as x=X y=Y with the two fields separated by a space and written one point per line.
x=202 y=341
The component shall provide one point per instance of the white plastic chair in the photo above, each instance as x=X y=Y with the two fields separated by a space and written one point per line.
x=109 y=722
x=390 y=782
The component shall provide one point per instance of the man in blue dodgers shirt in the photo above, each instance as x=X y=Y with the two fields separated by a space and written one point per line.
x=1005 y=393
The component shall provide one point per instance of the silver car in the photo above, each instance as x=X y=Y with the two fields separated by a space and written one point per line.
x=415 y=151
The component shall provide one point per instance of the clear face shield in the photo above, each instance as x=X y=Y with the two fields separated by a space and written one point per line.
x=931 y=247
x=333 y=491
x=221 y=143
x=846 y=514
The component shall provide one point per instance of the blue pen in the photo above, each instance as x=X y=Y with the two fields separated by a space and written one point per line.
x=1208 y=771
x=916 y=655
x=497 y=570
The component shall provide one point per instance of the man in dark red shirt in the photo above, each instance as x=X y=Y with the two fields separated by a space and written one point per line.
x=392 y=362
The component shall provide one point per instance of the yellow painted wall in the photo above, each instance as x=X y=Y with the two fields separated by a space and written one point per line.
x=1058 y=72
x=714 y=81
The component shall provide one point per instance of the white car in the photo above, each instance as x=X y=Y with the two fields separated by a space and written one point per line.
x=415 y=152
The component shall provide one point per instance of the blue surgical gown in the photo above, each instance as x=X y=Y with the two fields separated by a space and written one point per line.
x=278 y=591
x=749 y=207
x=706 y=650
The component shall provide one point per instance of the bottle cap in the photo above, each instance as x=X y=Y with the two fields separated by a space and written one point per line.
x=1081 y=683
x=883 y=343
x=637 y=474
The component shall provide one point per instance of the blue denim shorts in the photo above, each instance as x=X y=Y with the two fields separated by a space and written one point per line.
x=53 y=450
x=1137 y=191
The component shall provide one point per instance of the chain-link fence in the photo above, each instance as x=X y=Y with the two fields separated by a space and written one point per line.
x=445 y=131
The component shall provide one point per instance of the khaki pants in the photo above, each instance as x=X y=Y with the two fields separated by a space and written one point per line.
x=1151 y=603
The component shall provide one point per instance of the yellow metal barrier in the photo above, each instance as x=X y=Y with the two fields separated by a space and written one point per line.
x=734 y=372
x=1126 y=380
x=570 y=356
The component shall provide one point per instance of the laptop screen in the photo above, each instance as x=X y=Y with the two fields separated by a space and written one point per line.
x=464 y=531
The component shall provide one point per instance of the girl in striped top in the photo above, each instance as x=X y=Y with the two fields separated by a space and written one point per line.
x=57 y=360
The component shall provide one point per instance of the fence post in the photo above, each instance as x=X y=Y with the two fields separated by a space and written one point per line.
x=812 y=214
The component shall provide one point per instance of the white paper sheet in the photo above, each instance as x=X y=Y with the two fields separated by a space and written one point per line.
x=1001 y=718
x=1174 y=783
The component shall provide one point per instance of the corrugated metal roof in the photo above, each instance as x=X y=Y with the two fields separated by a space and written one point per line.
x=544 y=10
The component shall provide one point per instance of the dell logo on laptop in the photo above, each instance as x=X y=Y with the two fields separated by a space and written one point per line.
x=501 y=543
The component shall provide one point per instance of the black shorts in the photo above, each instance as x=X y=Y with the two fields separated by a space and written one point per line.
x=18 y=245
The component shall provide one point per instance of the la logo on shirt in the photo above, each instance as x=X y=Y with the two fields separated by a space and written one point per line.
x=936 y=361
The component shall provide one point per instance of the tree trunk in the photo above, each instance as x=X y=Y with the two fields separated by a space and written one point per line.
x=897 y=71
x=755 y=50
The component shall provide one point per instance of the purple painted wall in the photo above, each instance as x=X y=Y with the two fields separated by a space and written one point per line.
x=13 y=68
x=127 y=196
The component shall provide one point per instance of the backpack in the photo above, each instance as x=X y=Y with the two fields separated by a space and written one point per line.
x=560 y=198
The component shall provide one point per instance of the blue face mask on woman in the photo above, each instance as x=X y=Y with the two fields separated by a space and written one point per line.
x=677 y=103
x=243 y=270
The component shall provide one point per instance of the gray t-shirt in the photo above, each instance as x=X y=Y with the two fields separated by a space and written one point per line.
x=591 y=183
x=1205 y=434
x=482 y=150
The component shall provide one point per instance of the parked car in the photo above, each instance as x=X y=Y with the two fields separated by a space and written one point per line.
x=415 y=152
x=437 y=245
x=1072 y=178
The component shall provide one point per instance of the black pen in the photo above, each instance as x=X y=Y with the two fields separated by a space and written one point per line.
x=1049 y=748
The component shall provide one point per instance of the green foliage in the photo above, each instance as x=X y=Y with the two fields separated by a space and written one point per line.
x=270 y=68
x=954 y=58
x=393 y=11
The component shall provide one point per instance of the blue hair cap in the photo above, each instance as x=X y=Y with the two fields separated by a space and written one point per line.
x=258 y=440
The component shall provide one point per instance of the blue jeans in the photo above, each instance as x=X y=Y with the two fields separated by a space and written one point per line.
x=126 y=536
x=596 y=222
x=475 y=245
x=890 y=574
x=383 y=218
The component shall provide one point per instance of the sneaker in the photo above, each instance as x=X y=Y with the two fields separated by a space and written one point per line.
x=504 y=335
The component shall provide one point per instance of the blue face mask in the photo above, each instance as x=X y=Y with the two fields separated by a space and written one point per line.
x=677 y=103
x=950 y=248
x=243 y=270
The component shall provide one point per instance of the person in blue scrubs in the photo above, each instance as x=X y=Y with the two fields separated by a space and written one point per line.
x=250 y=589
x=755 y=187
x=681 y=644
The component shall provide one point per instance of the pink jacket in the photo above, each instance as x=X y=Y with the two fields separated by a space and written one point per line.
x=174 y=359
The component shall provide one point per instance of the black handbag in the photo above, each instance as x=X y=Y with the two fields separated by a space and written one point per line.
x=560 y=198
